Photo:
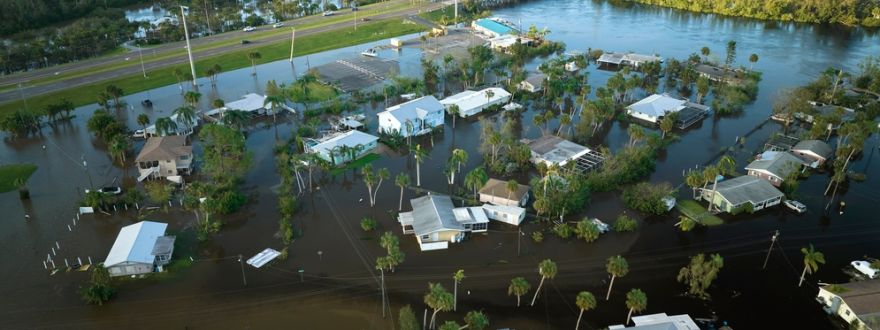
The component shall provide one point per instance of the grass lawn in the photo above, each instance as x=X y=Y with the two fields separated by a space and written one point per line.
x=693 y=210
x=357 y=163
x=317 y=91
x=437 y=16
x=229 y=61
x=9 y=173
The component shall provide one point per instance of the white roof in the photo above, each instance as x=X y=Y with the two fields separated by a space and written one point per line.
x=470 y=215
x=516 y=210
x=658 y=105
x=350 y=139
x=661 y=321
x=474 y=99
x=250 y=103
x=135 y=243
x=263 y=258
x=507 y=40
x=415 y=109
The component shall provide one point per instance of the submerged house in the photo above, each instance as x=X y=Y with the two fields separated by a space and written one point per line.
x=813 y=152
x=533 y=83
x=553 y=150
x=473 y=102
x=513 y=215
x=653 y=108
x=436 y=222
x=495 y=192
x=741 y=193
x=339 y=148
x=626 y=59
x=857 y=303
x=505 y=42
x=774 y=166
x=166 y=156
x=139 y=249
x=412 y=118
x=252 y=103
x=660 y=321
x=181 y=127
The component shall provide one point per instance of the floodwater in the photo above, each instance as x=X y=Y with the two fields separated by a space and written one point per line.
x=339 y=287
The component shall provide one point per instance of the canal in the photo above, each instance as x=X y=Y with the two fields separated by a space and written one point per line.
x=339 y=287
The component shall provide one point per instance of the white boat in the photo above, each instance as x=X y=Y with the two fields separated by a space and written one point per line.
x=865 y=268
x=795 y=206
x=370 y=53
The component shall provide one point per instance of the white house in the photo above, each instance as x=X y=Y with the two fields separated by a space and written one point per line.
x=774 y=166
x=660 y=321
x=505 y=42
x=412 y=118
x=495 y=192
x=533 y=83
x=631 y=59
x=436 y=222
x=855 y=302
x=165 y=156
x=814 y=152
x=252 y=103
x=139 y=249
x=553 y=150
x=513 y=215
x=182 y=127
x=653 y=108
x=339 y=148
x=473 y=102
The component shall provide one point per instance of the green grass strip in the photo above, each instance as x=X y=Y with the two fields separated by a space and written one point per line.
x=10 y=173
x=694 y=210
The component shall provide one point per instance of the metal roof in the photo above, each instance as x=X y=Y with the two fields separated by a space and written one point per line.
x=135 y=243
x=777 y=163
x=351 y=138
x=263 y=257
x=469 y=100
x=658 y=105
x=747 y=188
x=433 y=213
x=415 y=109
x=164 y=245
x=817 y=147
x=164 y=148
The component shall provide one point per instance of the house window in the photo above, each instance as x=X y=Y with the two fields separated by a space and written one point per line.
x=847 y=312
x=170 y=172
x=426 y=237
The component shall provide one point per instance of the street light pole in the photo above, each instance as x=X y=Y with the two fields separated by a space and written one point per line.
x=241 y=261
x=192 y=65
x=89 y=174
x=23 y=99
x=141 y=55
x=292 y=40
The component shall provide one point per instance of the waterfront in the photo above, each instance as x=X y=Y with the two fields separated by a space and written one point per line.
x=210 y=293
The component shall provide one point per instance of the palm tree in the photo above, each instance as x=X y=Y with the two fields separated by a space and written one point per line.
x=437 y=299
x=489 y=94
x=274 y=101
x=459 y=156
x=419 y=155
x=454 y=110
x=475 y=320
x=812 y=259
x=752 y=60
x=512 y=187
x=667 y=124
x=585 y=301
x=402 y=181
x=218 y=103
x=179 y=75
x=636 y=134
x=143 y=120
x=705 y=51
x=636 y=301
x=616 y=267
x=236 y=119
x=475 y=179
x=115 y=93
x=694 y=179
x=519 y=286
x=118 y=146
x=382 y=174
x=254 y=56
x=725 y=166
x=186 y=115
x=368 y=176
x=192 y=98
x=165 y=126
x=547 y=269
x=457 y=277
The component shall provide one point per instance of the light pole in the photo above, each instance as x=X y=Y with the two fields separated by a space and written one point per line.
x=23 y=99
x=89 y=174
x=772 y=242
x=292 y=40
x=192 y=65
x=141 y=55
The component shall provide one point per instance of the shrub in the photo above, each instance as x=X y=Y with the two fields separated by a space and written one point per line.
x=368 y=224
x=562 y=230
x=647 y=197
x=625 y=223
x=538 y=237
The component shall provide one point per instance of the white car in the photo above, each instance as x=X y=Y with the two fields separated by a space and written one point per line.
x=795 y=206
x=278 y=25
x=248 y=29
x=139 y=134
x=327 y=13
x=108 y=190
x=865 y=268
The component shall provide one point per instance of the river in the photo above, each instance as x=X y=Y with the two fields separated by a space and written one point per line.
x=340 y=288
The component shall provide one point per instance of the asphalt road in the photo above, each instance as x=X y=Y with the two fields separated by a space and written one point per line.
x=135 y=67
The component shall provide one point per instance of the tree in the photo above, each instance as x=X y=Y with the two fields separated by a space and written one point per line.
x=115 y=93
x=407 y=319
x=616 y=267
x=489 y=94
x=402 y=181
x=636 y=301
x=636 y=134
x=475 y=320
x=667 y=124
x=585 y=301
x=165 y=126
x=812 y=259
x=158 y=191
x=625 y=223
x=457 y=277
x=731 y=54
x=449 y=325
x=454 y=110
x=702 y=88
x=438 y=299
x=587 y=230
x=475 y=179
x=725 y=166
x=186 y=115
x=752 y=60
x=99 y=290
x=118 y=147
x=512 y=186
x=519 y=286
x=700 y=273
x=419 y=155
x=143 y=120
x=192 y=98
x=236 y=119
x=254 y=56
x=705 y=51
x=274 y=98
x=547 y=269
x=218 y=103
x=368 y=224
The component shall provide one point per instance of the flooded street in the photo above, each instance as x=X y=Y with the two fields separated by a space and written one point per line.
x=338 y=286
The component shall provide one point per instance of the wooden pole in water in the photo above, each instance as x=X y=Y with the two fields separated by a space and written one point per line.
x=90 y=259
x=53 y=252
x=772 y=241
x=241 y=261
x=57 y=246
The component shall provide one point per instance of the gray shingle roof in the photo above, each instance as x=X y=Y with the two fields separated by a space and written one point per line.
x=498 y=188
x=164 y=148
x=747 y=188
x=779 y=165
x=433 y=213
x=816 y=146
x=863 y=297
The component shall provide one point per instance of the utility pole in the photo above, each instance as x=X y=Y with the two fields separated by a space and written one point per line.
x=243 y=278
x=192 y=66
x=518 y=240
x=292 y=40
x=772 y=242
x=23 y=99
x=141 y=55
x=382 y=273
x=456 y=13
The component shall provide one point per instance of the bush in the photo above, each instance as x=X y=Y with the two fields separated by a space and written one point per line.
x=624 y=224
x=628 y=165
x=647 y=197
x=562 y=230
x=587 y=230
x=538 y=237
x=368 y=224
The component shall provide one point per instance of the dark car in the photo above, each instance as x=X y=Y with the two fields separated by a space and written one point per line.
x=147 y=103
x=245 y=42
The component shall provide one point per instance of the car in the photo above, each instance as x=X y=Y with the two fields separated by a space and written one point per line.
x=139 y=134
x=248 y=29
x=278 y=25
x=365 y=19
x=795 y=205
x=245 y=42
x=147 y=103
x=108 y=190
x=354 y=8
x=865 y=268
x=327 y=13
